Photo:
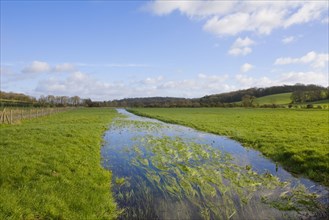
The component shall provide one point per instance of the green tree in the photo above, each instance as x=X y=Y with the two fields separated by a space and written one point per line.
x=247 y=100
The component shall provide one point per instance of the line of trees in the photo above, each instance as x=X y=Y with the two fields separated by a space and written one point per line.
x=21 y=100
x=60 y=101
x=300 y=94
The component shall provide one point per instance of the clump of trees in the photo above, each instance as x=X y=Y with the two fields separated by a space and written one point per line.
x=247 y=100
x=300 y=96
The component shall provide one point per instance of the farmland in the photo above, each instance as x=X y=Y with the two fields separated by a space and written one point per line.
x=277 y=99
x=50 y=167
x=296 y=138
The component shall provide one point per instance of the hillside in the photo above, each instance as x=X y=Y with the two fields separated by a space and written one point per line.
x=277 y=99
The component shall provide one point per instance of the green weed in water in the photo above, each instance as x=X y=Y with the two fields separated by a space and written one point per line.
x=176 y=173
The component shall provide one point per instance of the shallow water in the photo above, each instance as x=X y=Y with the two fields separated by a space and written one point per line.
x=165 y=171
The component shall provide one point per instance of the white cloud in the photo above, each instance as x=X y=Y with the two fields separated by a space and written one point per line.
x=64 y=67
x=241 y=47
x=117 y=65
x=245 y=82
x=37 y=67
x=316 y=60
x=81 y=84
x=246 y=67
x=190 y=8
x=262 y=22
x=287 y=40
x=84 y=85
x=234 y=17
x=150 y=80
x=285 y=78
x=44 y=67
x=311 y=77
x=309 y=11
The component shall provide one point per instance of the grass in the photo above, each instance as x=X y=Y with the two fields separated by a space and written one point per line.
x=50 y=167
x=277 y=99
x=296 y=138
x=284 y=99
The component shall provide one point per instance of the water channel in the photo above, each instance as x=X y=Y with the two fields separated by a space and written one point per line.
x=165 y=171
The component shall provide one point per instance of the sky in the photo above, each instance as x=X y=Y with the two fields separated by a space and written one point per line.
x=106 y=50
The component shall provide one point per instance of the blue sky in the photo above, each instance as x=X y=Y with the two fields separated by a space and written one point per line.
x=108 y=50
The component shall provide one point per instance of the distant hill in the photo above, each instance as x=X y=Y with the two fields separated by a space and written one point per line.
x=236 y=96
x=277 y=99
x=283 y=99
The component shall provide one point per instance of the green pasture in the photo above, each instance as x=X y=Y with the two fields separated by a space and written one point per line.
x=296 y=138
x=51 y=167
x=277 y=99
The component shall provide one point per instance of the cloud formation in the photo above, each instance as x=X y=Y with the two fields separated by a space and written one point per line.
x=37 y=67
x=246 y=67
x=311 y=77
x=285 y=78
x=44 y=67
x=82 y=84
x=241 y=47
x=316 y=60
x=287 y=40
x=64 y=67
x=234 y=17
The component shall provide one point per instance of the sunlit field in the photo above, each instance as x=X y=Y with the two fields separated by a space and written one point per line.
x=50 y=167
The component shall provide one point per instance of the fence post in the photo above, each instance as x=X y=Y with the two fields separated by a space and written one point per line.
x=30 y=114
x=37 y=113
x=11 y=116
x=2 y=116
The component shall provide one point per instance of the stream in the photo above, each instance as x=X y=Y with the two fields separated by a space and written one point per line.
x=166 y=171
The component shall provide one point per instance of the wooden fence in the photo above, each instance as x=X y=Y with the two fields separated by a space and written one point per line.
x=10 y=116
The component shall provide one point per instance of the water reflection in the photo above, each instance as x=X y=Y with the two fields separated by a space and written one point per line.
x=164 y=171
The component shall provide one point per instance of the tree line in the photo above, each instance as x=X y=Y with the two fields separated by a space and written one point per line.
x=21 y=100
x=300 y=94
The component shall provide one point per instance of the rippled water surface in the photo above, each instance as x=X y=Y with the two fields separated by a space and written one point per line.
x=165 y=171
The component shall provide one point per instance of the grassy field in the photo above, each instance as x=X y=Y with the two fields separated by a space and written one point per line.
x=297 y=139
x=284 y=99
x=50 y=167
x=277 y=99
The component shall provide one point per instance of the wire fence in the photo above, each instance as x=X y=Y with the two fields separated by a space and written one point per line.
x=11 y=116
